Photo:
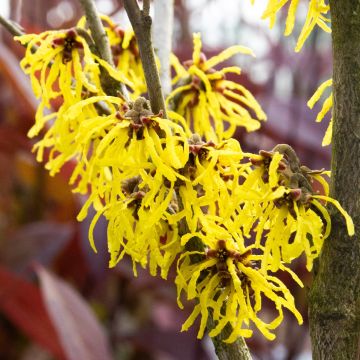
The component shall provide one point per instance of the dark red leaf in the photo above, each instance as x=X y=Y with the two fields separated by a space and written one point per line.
x=79 y=331
x=21 y=303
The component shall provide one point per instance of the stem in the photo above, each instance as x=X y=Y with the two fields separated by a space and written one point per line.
x=162 y=31
x=13 y=28
x=238 y=350
x=111 y=86
x=334 y=301
x=97 y=30
x=141 y=24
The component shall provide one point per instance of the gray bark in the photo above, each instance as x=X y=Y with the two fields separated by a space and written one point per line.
x=334 y=299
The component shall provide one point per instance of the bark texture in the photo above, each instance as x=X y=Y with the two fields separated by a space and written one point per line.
x=141 y=23
x=110 y=85
x=334 y=299
x=238 y=350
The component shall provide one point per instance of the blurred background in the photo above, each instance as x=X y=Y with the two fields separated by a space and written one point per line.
x=59 y=300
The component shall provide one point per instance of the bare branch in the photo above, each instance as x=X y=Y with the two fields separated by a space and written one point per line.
x=141 y=24
x=12 y=27
x=238 y=350
x=97 y=30
x=111 y=86
x=162 y=33
x=87 y=37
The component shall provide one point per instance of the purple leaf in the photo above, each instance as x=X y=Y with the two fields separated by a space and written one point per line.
x=80 y=333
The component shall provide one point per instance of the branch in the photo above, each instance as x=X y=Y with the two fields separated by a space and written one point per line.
x=12 y=27
x=97 y=30
x=146 y=7
x=111 y=86
x=162 y=32
x=141 y=24
x=238 y=350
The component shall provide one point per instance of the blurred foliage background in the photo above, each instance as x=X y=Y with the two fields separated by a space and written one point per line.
x=59 y=300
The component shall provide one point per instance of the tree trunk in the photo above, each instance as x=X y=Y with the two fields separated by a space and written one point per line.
x=334 y=299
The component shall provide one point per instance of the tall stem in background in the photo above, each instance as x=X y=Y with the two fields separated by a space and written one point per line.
x=162 y=35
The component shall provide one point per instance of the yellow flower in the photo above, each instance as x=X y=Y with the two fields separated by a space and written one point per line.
x=229 y=288
x=316 y=15
x=137 y=226
x=290 y=217
x=131 y=144
x=61 y=65
x=207 y=100
x=111 y=148
x=212 y=177
x=327 y=107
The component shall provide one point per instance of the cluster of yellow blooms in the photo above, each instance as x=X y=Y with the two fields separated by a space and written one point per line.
x=229 y=219
x=211 y=104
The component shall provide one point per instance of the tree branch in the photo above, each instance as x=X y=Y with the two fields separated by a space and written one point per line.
x=110 y=85
x=13 y=28
x=97 y=30
x=162 y=33
x=141 y=24
x=238 y=350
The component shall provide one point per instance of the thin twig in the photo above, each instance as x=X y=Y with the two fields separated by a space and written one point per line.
x=141 y=24
x=97 y=30
x=111 y=86
x=12 y=27
x=87 y=37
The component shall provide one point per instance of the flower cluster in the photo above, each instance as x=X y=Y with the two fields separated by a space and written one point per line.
x=230 y=288
x=230 y=220
x=292 y=220
x=265 y=210
x=212 y=105
x=57 y=62
x=140 y=154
